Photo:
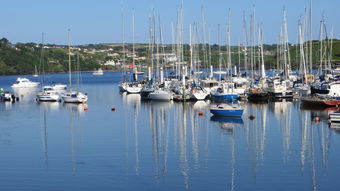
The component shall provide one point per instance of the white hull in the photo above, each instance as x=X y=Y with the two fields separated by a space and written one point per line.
x=59 y=87
x=44 y=97
x=160 y=95
x=74 y=97
x=199 y=95
x=134 y=90
x=25 y=83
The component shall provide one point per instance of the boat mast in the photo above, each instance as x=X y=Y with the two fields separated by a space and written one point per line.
x=228 y=40
x=245 y=50
x=263 y=71
x=123 y=39
x=69 y=61
x=301 y=38
x=42 y=57
x=310 y=39
x=219 y=53
x=133 y=45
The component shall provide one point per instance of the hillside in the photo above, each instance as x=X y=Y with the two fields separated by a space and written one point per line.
x=21 y=58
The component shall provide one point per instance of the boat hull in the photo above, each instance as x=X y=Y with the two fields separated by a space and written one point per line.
x=227 y=112
x=225 y=96
x=160 y=96
x=134 y=90
x=48 y=98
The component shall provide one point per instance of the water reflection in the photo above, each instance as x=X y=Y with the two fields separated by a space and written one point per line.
x=227 y=123
x=25 y=94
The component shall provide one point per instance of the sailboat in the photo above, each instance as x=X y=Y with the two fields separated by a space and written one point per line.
x=71 y=96
x=225 y=91
x=35 y=71
x=47 y=93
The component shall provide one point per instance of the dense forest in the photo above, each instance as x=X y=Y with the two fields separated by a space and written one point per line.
x=22 y=58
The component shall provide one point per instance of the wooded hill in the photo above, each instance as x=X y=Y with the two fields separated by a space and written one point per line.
x=21 y=58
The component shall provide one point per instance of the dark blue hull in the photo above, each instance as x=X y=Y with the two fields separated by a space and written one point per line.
x=227 y=112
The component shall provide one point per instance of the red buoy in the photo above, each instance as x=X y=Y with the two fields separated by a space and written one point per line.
x=86 y=108
x=252 y=117
x=200 y=113
x=113 y=109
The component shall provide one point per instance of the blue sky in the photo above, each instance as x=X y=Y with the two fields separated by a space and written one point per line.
x=99 y=21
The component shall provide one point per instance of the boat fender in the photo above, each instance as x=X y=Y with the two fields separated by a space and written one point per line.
x=252 y=117
x=317 y=119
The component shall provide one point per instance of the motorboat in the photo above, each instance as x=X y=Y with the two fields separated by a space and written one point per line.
x=74 y=97
x=25 y=83
x=280 y=89
x=6 y=96
x=48 y=94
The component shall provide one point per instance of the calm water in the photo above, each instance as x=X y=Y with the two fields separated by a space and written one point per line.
x=161 y=146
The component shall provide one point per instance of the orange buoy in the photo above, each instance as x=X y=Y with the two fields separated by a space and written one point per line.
x=200 y=113
x=113 y=109
x=86 y=108
x=252 y=117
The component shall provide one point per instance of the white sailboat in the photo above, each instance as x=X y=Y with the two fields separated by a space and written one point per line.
x=71 y=96
x=98 y=72
x=35 y=71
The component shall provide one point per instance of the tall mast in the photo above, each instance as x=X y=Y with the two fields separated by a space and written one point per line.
x=69 y=60
x=123 y=39
x=191 y=48
x=133 y=43
x=302 y=51
x=228 y=40
x=219 y=52
x=245 y=50
x=263 y=71
x=42 y=57
x=310 y=39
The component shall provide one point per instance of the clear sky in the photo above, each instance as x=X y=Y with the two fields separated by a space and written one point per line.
x=99 y=21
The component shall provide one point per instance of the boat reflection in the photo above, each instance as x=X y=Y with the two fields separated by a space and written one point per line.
x=201 y=105
x=77 y=108
x=25 y=94
x=227 y=123
x=50 y=106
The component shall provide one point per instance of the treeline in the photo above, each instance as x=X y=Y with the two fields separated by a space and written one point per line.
x=22 y=58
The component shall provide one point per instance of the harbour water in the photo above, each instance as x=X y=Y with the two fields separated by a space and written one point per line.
x=145 y=145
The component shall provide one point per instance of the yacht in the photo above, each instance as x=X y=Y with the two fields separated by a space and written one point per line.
x=280 y=89
x=74 y=97
x=25 y=83
x=48 y=94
